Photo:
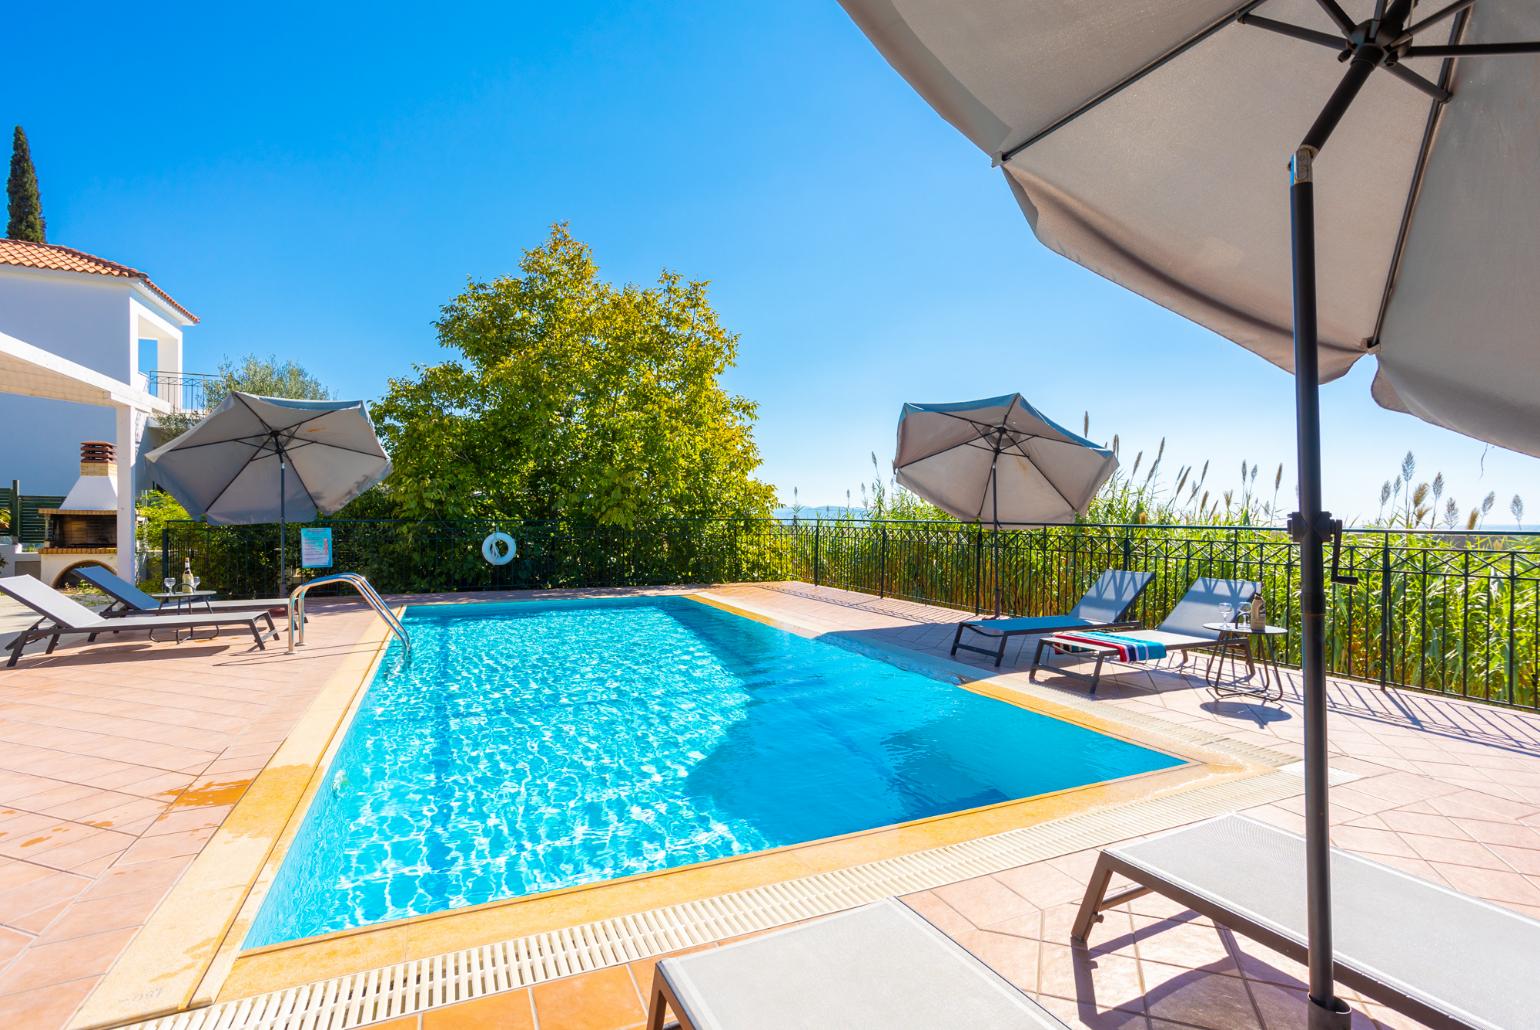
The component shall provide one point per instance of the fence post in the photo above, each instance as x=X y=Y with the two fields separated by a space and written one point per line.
x=165 y=552
x=1513 y=630
x=1385 y=613
x=978 y=569
x=882 y=562
x=817 y=531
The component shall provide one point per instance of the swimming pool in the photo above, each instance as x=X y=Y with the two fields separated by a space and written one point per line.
x=532 y=746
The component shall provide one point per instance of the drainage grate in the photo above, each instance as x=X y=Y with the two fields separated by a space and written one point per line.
x=351 y=1001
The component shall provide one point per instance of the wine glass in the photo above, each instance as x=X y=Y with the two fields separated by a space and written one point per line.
x=194 y=580
x=1226 y=613
x=170 y=584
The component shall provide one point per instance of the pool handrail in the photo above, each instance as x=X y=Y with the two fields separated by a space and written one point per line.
x=365 y=590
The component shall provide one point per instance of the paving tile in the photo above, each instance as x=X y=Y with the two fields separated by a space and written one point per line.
x=62 y=961
x=1014 y=956
x=1198 y=997
x=1102 y=981
x=604 y=999
x=1179 y=942
x=87 y=916
x=510 y=1010
x=1444 y=850
x=938 y=913
x=1491 y=884
x=985 y=901
x=21 y=907
x=48 y=1007
x=1042 y=884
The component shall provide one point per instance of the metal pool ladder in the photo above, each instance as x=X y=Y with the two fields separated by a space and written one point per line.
x=365 y=590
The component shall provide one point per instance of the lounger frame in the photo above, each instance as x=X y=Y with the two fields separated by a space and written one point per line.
x=982 y=626
x=1097 y=901
x=52 y=625
x=46 y=629
x=1102 y=654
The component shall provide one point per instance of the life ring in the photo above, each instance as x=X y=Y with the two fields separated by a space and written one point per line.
x=498 y=548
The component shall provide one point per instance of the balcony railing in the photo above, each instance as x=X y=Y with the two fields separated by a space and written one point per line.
x=185 y=391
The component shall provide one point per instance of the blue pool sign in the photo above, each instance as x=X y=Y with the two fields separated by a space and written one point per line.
x=315 y=548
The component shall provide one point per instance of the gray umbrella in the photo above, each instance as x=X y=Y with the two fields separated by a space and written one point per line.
x=271 y=459
x=1146 y=140
x=998 y=460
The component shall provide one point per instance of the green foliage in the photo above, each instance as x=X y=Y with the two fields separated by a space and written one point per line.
x=24 y=202
x=572 y=398
x=156 y=510
x=266 y=377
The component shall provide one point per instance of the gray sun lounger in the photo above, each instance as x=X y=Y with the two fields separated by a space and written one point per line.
x=1182 y=630
x=129 y=599
x=881 y=967
x=63 y=616
x=1442 y=958
x=1105 y=606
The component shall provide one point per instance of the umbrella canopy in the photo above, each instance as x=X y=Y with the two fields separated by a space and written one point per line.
x=998 y=460
x=1148 y=140
x=1144 y=140
x=271 y=459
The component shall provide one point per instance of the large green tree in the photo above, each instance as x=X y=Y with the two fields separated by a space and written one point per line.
x=571 y=397
x=23 y=200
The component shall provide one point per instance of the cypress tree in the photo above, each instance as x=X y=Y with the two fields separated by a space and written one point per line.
x=26 y=205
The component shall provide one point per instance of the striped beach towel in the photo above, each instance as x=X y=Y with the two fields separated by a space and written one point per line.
x=1129 y=649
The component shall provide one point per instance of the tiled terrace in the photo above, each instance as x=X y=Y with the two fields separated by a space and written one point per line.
x=118 y=762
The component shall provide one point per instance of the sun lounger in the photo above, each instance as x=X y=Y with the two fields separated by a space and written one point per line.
x=63 y=616
x=1182 y=630
x=129 y=599
x=1106 y=606
x=881 y=967
x=1442 y=958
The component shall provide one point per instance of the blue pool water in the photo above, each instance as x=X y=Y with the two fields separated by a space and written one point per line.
x=532 y=746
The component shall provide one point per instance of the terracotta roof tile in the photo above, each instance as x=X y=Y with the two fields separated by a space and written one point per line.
x=67 y=259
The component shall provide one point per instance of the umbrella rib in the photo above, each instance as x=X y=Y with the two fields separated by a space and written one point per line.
x=1335 y=12
x=222 y=490
x=331 y=446
x=1118 y=87
x=1283 y=28
x=999 y=430
x=1419 y=170
x=309 y=496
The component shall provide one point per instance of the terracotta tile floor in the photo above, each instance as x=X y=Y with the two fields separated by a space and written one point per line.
x=117 y=763
x=1444 y=789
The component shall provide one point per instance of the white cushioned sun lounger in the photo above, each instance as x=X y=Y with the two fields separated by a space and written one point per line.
x=1440 y=957
x=1105 y=606
x=62 y=616
x=881 y=967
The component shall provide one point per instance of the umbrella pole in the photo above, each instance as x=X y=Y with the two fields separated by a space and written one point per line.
x=283 y=463
x=994 y=487
x=1309 y=526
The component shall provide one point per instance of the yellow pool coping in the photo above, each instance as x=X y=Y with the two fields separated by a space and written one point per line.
x=189 y=954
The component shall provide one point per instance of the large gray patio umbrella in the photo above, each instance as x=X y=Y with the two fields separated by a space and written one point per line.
x=998 y=460
x=1147 y=140
x=271 y=459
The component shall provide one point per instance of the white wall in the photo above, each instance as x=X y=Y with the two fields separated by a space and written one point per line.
x=92 y=320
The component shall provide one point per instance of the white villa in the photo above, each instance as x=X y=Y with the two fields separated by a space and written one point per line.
x=77 y=333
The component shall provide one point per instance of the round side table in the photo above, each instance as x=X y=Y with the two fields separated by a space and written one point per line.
x=1259 y=648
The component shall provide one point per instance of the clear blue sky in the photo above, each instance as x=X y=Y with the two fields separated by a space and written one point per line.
x=314 y=180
